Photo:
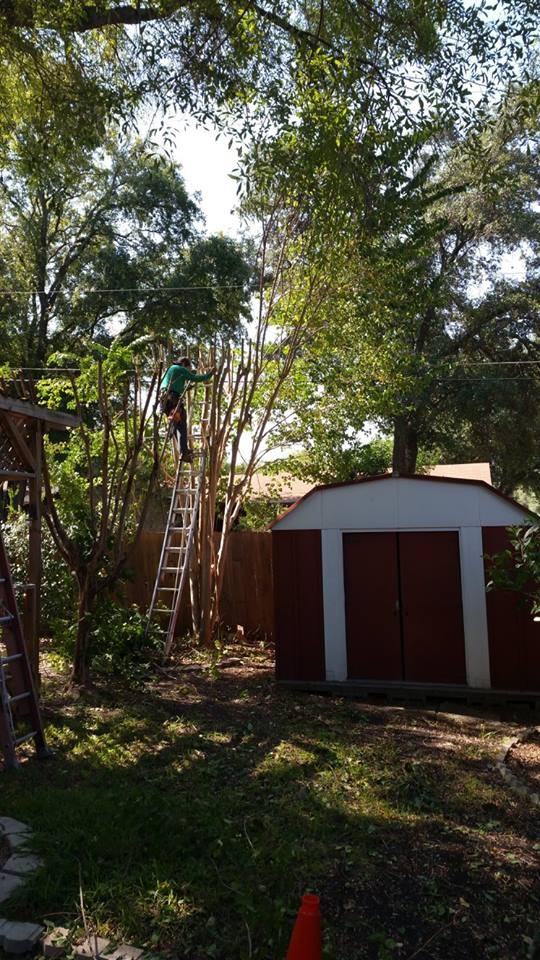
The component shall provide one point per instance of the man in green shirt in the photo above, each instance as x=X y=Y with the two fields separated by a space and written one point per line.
x=175 y=383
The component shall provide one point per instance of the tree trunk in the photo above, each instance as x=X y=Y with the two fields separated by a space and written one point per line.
x=194 y=590
x=80 y=671
x=405 y=450
x=207 y=591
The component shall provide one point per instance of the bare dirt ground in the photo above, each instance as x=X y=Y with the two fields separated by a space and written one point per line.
x=524 y=761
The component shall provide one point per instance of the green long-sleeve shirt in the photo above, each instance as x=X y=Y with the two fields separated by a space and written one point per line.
x=177 y=378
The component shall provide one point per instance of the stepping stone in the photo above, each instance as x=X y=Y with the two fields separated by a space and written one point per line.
x=55 y=944
x=9 y=825
x=9 y=882
x=19 y=937
x=124 y=952
x=19 y=841
x=89 y=949
x=22 y=865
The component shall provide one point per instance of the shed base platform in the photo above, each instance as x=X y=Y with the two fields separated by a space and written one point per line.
x=434 y=693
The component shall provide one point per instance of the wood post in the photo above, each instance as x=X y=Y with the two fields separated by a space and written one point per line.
x=32 y=596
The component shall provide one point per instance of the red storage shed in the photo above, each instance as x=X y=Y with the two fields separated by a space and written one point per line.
x=382 y=580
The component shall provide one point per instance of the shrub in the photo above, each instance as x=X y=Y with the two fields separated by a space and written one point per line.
x=122 y=645
x=58 y=586
x=518 y=569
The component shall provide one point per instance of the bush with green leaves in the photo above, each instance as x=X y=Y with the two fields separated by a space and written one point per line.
x=518 y=567
x=58 y=585
x=121 y=644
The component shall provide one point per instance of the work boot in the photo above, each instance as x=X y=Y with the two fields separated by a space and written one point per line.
x=187 y=457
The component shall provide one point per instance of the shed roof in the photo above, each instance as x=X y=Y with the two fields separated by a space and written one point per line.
x=388 y=478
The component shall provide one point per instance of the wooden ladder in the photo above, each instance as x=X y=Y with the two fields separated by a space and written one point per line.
x=20 y=719
x=179 y=537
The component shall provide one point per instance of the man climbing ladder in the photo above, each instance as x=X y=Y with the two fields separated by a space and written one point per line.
x=174 y=384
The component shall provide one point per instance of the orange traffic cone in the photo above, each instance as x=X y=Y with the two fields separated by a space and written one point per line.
x=306 y=936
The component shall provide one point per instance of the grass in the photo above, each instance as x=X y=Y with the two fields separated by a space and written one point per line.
x=196 y=813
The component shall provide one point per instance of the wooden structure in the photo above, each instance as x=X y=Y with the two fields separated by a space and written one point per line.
x=246 y=597
x=382 y=582
x=22 y=425
x=20 y=719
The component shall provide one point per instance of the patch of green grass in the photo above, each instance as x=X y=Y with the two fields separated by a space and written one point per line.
x=185 y=835
x=196 y=816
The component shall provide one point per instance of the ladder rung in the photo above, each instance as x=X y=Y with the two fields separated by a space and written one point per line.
x=177 y=529
x=13 y=656
x=27 y=736
x=168 y=589
x=176 y=549
x=170 y=569
x=20 y=696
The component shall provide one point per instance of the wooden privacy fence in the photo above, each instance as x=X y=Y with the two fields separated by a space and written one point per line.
x=247 y=596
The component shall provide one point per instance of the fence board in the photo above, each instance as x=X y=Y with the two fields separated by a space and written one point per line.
x=247 y=596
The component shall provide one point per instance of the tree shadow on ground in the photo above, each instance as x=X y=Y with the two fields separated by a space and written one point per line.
x=198 y=813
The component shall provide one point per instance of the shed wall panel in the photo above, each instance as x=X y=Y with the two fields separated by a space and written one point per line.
x=514 y=637
x=370 y=565
x=298 y=605
x=433 y=636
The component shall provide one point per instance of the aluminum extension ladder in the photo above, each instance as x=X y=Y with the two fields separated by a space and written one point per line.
x=179 y=537
x=20 y=719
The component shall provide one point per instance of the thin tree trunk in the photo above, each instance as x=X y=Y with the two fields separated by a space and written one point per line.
x=80 y=673
x=405 y=451
x=207 y=591
x=194 y=590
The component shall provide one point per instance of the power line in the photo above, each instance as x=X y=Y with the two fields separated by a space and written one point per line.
x=493 y=363
x=140 y=290
x=487 y=379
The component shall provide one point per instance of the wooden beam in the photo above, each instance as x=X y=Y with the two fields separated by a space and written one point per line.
x=17 y=475
x=33 y=598
x=18 y=442
x=52 y=419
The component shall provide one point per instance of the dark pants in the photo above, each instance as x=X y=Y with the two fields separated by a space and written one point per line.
x=178 y=419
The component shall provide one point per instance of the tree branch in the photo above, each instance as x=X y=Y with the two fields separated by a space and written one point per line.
x=89 y=16
x=97 y=16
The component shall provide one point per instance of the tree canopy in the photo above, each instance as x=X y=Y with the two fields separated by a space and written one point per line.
x=204 y=54
x=92 y=237
x=420 y=298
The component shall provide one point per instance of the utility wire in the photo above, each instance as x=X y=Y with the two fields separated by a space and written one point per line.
x=216 y=286
x=63 y=370
x=487 y=379
x=460 y=363
x=492 y=363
